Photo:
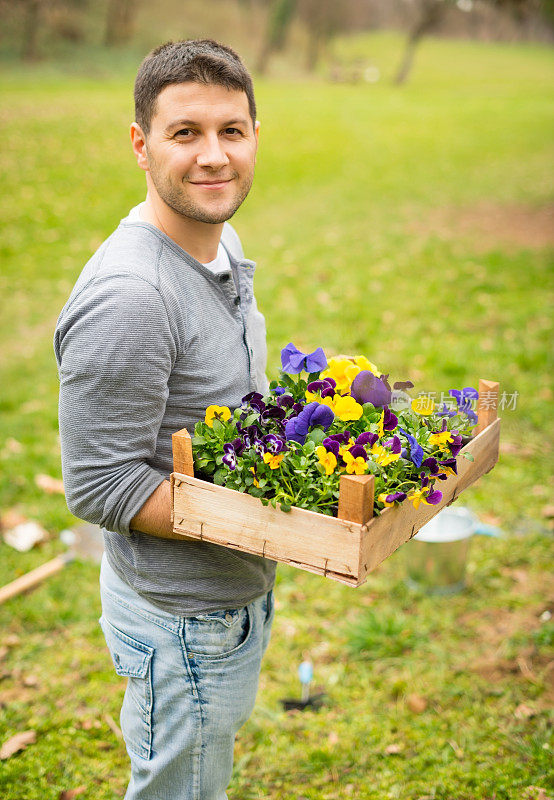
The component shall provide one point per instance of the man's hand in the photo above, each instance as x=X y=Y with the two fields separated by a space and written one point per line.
x=154 y=517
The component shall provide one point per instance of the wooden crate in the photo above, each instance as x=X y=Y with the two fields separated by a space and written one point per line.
x=346 y=548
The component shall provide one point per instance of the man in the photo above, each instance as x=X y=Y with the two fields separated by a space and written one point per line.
x=161 y=323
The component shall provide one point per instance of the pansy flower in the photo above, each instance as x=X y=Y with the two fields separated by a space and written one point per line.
x=367 y=437
x=423 y=405
x=293 y=361
x=449 y=466
x=387 y=422
x=355 y=465
x=297 y=428
x=344 y=407
x=273 y=460
x=221 y=413
x=327 y=459
x=229 y=457
x=416 y=450
x=382 y=455
x=392 y=498
x=368 y=388
x=331 y=445
x=272 y=443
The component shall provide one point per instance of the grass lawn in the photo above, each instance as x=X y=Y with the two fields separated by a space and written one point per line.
x=413 y=225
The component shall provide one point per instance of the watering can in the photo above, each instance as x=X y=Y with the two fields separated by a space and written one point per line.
x=436 y=557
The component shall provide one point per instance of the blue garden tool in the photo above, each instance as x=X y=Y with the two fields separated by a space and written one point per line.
x=306 y=674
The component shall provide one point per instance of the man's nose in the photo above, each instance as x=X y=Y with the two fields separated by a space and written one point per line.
x=211 y=153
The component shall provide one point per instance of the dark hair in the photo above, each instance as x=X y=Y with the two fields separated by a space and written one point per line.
x=197 y=60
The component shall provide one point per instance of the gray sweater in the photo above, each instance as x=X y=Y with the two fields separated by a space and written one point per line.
x=147 y=340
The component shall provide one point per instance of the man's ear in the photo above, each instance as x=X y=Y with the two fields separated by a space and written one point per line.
x=257 y=135
x=138 y=141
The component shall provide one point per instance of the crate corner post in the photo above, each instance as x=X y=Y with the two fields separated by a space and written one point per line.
x=356 y=496
x=487 y=405
x=183 y=461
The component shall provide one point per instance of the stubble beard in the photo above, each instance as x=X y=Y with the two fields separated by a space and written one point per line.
x=174 y=195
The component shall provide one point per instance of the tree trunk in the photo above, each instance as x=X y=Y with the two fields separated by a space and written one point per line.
x=29 y=49
x=431 y=13
x=280 y=16
x=120 y=20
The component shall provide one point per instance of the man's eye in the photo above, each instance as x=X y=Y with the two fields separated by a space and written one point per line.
x=232 y=131
x=184 y=132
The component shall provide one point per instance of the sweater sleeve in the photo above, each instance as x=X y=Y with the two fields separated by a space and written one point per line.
x=115 y=353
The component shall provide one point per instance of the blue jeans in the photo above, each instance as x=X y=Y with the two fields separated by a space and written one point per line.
x=192 y=683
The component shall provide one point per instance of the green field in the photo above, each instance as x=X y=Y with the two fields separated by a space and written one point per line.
x=412 y=225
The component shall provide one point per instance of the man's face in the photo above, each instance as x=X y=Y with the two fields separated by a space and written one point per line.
x=201 y=150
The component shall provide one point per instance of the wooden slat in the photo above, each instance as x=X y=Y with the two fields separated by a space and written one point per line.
x=487 y=405
x=397 y=525
x=182 y=452
x=314 y=541
x=356 y=496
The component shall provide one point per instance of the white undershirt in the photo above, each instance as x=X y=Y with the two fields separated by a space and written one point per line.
x=219 y=264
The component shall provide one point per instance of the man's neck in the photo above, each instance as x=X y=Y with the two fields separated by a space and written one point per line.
x=199 y=239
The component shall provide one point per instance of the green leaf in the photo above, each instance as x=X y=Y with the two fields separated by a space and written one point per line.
x=285 y=507
x=250 y=420
x=316 y=436
x=469 y=456
x=220 y=475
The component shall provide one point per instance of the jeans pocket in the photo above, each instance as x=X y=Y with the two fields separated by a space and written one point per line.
x=219 y=633
x=132 y=660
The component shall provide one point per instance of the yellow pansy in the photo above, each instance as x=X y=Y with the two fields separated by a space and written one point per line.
x=383 y=499
x=344 y=447
x=326 y=459
x=363 y=363
x=343 y=371
x=357 y=466
x=423 y=405
x=255 y=479
x=346 y=408
x=417 y=496
x=272 y=460
x=221 y=413
x=441 y=438
x=383 y=456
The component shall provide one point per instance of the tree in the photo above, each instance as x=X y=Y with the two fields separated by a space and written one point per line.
x=279 y=18
x=431 y=12
x=120 y=21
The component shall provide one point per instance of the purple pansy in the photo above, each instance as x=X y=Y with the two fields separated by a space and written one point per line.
x=231 y=451
x=450 y=463
x=432 y=464
x=341 y=438
x=464 y=399
x=456 y=444
x=446 y=412
x=285 y=401
x=331 y=445
x=273 y=444
x=357 y=451
x=434 y=497
x=395 y=497
x=368 y=388
x=274 y=412
x=416 y=450
x=367 y=438
x=279 y=390
x=297 y=428
x=293 y=361
x=394 y=444
x=390 y=420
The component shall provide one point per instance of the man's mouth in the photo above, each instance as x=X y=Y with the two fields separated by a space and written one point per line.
x=212 y=184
